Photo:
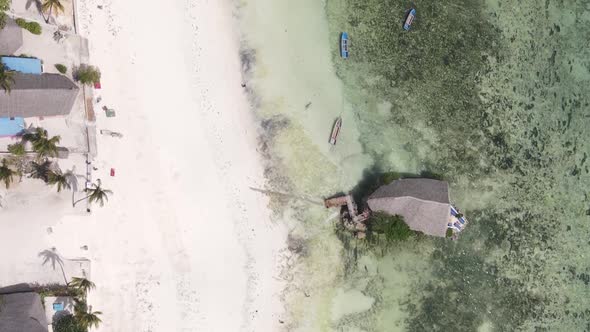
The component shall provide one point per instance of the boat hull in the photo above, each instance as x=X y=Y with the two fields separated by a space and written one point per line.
x=344 y=45
x=335 y=131
x=410 y=19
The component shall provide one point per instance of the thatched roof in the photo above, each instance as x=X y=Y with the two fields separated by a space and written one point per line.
x=38 y=95
x=424 y=203
x=11 y=37
x=22 y=312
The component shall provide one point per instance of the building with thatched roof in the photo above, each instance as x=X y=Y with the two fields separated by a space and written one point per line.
x=11 y=37
x=21 y=312
x=35 y=95
x=424 y=204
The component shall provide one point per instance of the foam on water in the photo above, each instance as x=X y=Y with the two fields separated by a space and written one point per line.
x=491 y=95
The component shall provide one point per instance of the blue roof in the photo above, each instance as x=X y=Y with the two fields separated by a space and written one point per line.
x=23 y=65
x=10 y=127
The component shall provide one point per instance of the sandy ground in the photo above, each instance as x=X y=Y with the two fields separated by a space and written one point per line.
x=183 y=244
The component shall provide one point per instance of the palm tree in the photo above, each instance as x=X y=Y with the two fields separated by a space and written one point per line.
x=42 y=144
x=41 y=170
x=85 y=317
x=48 y=5
x=58 y=178
x=18 y=158
x=6 y=174
x=96 y=194
x=6 y=78
x=82 y=284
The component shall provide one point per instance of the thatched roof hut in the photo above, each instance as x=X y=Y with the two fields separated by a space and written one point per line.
x=424 y=203
x=38 y=95
x=22 y=312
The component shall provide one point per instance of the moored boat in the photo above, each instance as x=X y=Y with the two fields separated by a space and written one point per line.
x=335 y=131
x=344 y=45
x=409 y=19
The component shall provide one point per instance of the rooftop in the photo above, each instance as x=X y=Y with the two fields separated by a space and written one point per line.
x=424 y=203
x=38 y=95
x=11 y=37
x=22 y=312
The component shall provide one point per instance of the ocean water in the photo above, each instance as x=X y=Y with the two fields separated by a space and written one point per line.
x=492 y=95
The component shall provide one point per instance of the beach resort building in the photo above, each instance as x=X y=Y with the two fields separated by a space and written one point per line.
x=423 y=203
x=22 y=311
x=33 y=94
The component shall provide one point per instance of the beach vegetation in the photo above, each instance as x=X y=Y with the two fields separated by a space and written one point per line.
x=61 y=68
x=85 y=317
x=41 y=170
x=42 y=144
x=392 y=228
x=67 y=323
x=6 y=173
x=3 y=18
x=97 y=194
x=449 y=232
x=50 y=7
x=5 y=5
x=87 y=74
x=58 y=179
x=32 y=27
x=17 y=149
x=82 y=284
x=6 y=78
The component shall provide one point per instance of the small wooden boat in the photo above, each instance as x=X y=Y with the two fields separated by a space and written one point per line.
x=410 y=19
x=335 y=131
x=344 y=45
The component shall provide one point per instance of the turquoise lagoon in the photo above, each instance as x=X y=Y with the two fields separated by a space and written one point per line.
x=491 y=94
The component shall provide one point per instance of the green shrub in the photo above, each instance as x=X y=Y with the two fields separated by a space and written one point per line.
x=3 y=17
x=61 y=68
x=17 y=149
x=4 y=5
x=389 y=177
x=393 y=228
x=67 y=323
x=449 y=232
x=32 y=27
x=86 y=74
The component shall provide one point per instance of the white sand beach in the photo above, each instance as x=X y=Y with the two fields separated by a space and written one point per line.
x=183 y=244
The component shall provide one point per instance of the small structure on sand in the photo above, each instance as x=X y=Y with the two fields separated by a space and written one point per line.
x=424 y=204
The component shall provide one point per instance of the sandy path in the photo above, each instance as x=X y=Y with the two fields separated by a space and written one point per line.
x=183 y=245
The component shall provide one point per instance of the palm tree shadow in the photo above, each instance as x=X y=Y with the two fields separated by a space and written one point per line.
x=51 y=256
x=37 y=4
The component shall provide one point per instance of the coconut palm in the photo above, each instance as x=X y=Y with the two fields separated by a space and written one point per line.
x=41 y=170
x=95 y=194
x=6 y=78
x=17 y=149
x=58 y=178
x=18 y=158
x=84 y=316
x=6 y=173
x=82 y=284
x=98 y=194
x=42 y=144
x=48 y=6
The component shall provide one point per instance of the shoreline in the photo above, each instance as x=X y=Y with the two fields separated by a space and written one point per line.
x=204 y=253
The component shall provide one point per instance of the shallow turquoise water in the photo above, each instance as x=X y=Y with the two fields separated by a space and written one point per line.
x=493 y=96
